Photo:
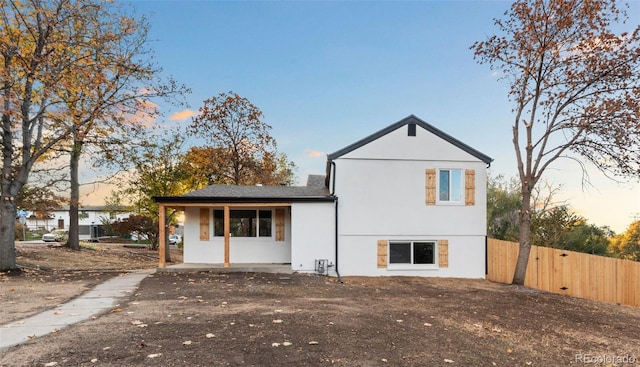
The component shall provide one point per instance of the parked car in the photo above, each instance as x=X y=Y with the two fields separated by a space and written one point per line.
x=174 y=239
x=135 y=236
x=57 y=235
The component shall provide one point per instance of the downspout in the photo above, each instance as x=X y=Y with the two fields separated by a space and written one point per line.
x=486 y=256
x=333 y=191
x=486 y=242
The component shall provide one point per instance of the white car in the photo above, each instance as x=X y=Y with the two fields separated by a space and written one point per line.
x=135 y=236
x=57 y=235
x=174 y=239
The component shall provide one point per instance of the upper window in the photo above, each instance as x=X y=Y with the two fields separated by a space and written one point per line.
x=243 y=223
x=412 y=252
x=450 y=183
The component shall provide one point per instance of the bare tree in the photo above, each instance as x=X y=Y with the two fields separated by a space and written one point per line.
x=109 y=105
x=48 y=51
x=575 y=87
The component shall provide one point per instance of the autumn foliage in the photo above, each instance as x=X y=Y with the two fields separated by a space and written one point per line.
x=240 y=149
x=627 y=245
x=575 y=90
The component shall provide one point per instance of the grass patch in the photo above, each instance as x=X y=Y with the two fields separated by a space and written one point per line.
x=89 y=246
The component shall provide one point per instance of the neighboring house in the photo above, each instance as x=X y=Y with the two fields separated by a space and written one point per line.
x=90 y=221
x=406 y=200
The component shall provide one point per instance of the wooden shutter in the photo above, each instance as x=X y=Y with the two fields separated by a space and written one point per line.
x=470 y=187
x=430 y=186
x=204 y=224
x=382 y=253
x=280 y=224
x=443 y=253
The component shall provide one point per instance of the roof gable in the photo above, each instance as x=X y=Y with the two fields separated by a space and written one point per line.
x=418 y=122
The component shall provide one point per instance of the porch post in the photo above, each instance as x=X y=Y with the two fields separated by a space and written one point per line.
x=161 y=234
x=227 y=236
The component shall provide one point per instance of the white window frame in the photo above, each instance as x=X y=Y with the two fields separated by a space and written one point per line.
x=461 y=188
x=412 y=266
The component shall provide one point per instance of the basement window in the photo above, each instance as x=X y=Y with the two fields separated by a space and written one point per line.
x=412 y=252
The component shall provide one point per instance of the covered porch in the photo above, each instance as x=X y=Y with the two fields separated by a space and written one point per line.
x=229 y=234
x=254 y=227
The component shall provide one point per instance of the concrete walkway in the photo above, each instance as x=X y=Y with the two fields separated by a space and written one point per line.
x=94 y=302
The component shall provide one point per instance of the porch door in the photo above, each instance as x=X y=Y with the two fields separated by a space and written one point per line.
x=60 y=223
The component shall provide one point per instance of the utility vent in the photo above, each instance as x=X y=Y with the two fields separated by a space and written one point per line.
x=322 y=266
x=411 y=130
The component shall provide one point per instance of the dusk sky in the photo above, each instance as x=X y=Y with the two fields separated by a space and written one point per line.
x=326 y=74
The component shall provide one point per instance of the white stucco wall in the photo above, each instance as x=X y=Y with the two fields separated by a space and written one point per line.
x=381 y=193
x=358 y=256
x=241 y=250
x=388 y=197
x=313 y=235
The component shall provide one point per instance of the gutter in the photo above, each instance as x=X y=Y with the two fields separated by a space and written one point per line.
x=238 y=199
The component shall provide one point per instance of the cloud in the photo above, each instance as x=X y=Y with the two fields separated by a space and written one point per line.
x=182 y=115
x=314 y=153
x=145 y=111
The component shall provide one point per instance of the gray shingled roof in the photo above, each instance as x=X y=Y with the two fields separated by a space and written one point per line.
x=316 y=181
x=234 y=191
x=237 y=193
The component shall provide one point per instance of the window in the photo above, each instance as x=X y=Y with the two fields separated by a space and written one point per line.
x=265 y=223
x=450 y=185
x=243 y=223
x=412 y=252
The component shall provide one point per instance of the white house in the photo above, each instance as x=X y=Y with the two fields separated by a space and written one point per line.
x=406 y=200
x=91 y=218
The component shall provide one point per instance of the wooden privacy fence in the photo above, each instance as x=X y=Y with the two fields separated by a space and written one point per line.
x=568 y=272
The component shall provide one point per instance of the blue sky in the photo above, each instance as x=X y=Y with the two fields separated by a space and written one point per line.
x=326 y=74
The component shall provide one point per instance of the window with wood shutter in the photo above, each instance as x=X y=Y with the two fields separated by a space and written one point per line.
x=443 y=253
x=470 y=187
x=382 y=253
x=204 y=224
x=280 y=224
x=430 y=186
x=450 y=186
x=417 y=254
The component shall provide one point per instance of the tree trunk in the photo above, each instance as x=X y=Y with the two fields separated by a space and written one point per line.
x=7 y=234
x=74 y=199
x=524 y=239
x=167 y=249
x=7 y=201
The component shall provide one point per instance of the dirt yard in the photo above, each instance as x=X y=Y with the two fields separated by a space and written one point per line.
x=52 y=274
x=241 y=319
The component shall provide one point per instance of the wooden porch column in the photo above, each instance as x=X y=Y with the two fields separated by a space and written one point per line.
x=161 y=234
x=227 y=236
